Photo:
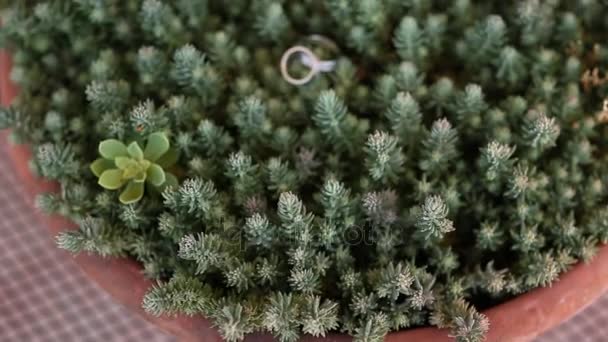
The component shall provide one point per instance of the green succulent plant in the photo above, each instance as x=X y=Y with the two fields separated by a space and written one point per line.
x=129 y=165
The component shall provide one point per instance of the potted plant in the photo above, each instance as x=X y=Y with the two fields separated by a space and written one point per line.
x=320 y=170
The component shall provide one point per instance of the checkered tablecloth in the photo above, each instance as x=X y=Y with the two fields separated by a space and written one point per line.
x=45 y=297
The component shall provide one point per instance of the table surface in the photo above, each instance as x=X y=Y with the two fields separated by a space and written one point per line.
x=45 y=297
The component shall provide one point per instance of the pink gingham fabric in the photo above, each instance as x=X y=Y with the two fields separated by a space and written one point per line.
x=45 y=297
x=43 y=294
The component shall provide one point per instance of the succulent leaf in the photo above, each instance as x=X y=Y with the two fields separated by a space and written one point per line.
x=132 y=193
x=111 y=179
x=156 y=175
x=157 y=146
x=112 y=148
x=168 y=159
x=123 y=162
x=100 y=165
x=135 y=151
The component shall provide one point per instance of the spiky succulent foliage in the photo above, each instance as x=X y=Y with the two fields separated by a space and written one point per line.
x=455 y=156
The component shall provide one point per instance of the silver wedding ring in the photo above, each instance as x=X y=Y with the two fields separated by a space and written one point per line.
x=305 y=56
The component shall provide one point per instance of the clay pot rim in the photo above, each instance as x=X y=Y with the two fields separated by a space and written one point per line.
x=519 y=319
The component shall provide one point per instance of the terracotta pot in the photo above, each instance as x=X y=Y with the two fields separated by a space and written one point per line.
x=518 y=320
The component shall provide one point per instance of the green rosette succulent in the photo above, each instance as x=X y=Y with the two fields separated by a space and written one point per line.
x=131 y=167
